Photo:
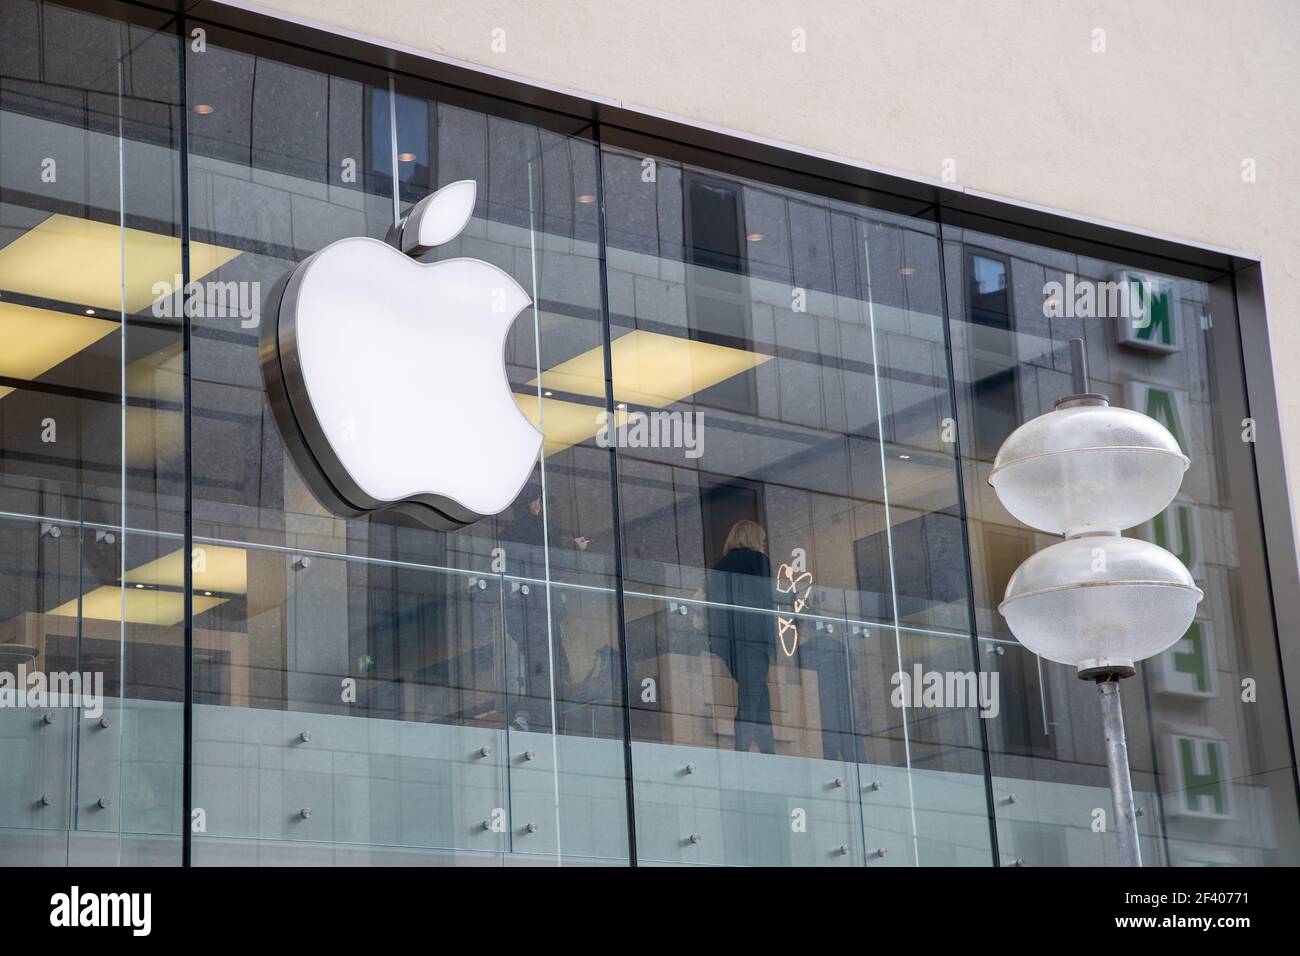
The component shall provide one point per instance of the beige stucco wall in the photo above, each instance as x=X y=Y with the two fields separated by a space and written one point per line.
x=1151 y=133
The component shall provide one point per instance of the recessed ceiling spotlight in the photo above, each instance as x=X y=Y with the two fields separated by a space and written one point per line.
x=140 y=585
x=406 y=157
x=90 y=312
x=207 y=594
x=905 y=457
x=548 y=394
x=203 y=109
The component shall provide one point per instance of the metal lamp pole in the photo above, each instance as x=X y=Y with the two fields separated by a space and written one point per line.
x=1096 y=600
x=1121 y=780
x=1107 y=680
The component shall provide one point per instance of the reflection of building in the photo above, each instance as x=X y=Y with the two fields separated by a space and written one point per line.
x=856 y=354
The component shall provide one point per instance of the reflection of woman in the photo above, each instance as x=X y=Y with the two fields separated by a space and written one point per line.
x=745 y=640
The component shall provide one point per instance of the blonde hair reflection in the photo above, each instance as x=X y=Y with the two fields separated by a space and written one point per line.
x=746 y=534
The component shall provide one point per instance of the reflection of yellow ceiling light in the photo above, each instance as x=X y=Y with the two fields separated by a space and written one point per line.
x=164 y=608
x=586 y=199
x=203 y=109
x=406 y=157
x=81 y=261
x=755 y=237
x=651 y=369
x=33 y=341
x=564 y=423
x=216 y=568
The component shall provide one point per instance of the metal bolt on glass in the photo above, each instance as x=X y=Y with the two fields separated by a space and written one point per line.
x=1096 y=600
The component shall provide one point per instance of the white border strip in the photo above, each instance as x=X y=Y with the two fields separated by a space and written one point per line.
x=259 y=9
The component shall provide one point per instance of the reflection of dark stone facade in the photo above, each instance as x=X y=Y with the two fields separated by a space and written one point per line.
x=929 y=567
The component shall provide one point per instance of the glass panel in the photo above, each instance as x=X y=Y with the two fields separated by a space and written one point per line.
x=1209 y=785
x=791 y=527
x=407 y=765
x=571 y=782
x=91 y=414
x=535 y=191
x=697 y=802
x=499 y=636
x=41 y=570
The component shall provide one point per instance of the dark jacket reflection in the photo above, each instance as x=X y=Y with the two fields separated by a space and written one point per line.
x=745 y=641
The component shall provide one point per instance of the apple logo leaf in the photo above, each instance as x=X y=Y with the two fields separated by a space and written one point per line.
x=439 y=218
x=387 y=378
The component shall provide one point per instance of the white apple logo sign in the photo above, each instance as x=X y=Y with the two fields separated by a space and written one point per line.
x=387 y=375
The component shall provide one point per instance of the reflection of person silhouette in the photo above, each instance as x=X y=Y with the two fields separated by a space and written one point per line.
x=745 y=640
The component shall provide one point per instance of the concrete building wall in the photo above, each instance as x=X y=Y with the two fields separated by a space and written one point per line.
x=1150 y=124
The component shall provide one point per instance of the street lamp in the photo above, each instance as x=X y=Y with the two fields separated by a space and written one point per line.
x=1097 y=601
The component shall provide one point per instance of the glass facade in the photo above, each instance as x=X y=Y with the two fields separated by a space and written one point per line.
x=770 y=405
